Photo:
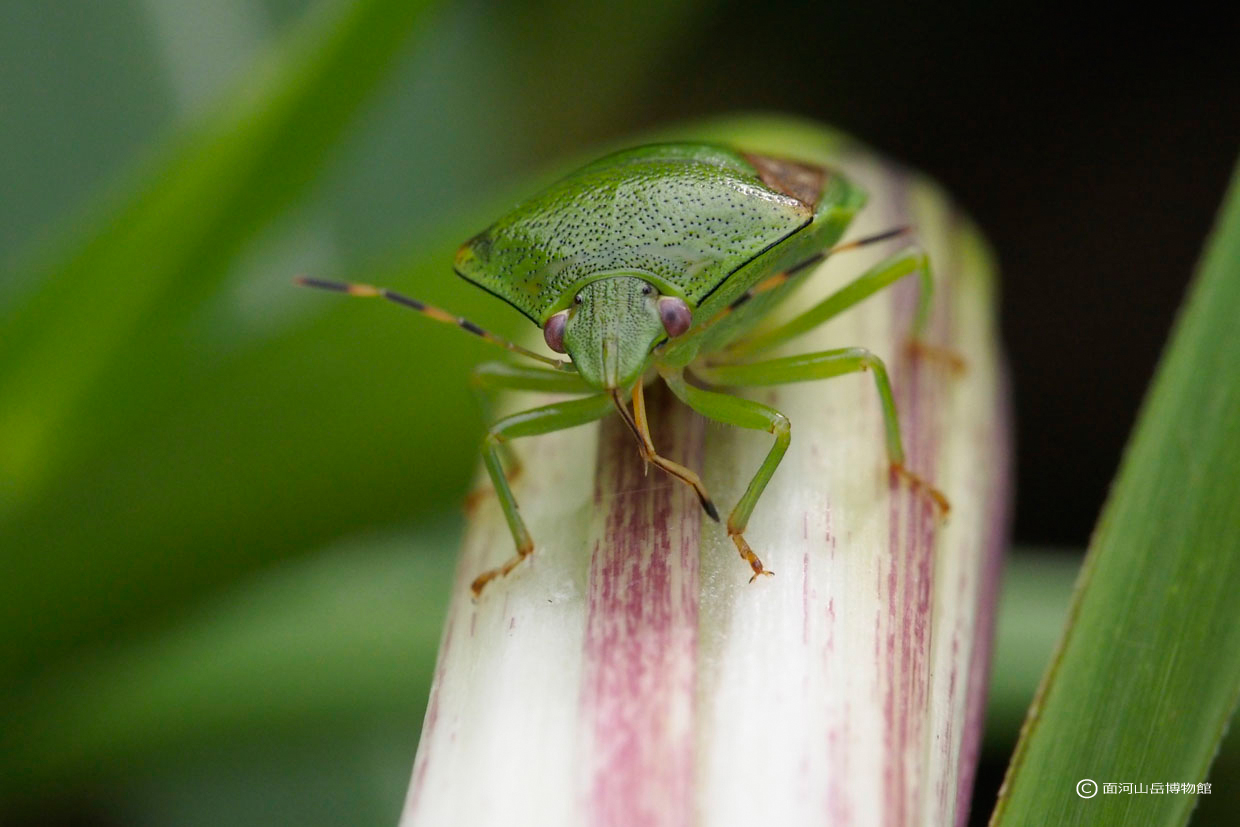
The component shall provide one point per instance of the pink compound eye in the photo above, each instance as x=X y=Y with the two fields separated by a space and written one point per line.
x=676 y=315
x=553 y=331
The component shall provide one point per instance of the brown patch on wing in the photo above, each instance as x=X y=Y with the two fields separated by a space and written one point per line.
x=804 y=182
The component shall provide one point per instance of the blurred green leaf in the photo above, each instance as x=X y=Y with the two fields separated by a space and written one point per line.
x=344 y=639
x=324 y=777
x=76 y=352
x=162 y=247
x=1033 y=603
x=1148 y=671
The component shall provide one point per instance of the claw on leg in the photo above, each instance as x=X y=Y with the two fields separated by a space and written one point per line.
x=480 y=582
x=946 y=357
x=748 y=555
x=921 y=486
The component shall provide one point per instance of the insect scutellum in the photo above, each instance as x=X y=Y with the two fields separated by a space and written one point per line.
x=659 y=260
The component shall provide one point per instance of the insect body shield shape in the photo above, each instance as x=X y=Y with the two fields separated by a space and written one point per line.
x=681 y=216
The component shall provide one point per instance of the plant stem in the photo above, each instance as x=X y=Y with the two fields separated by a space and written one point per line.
x=630 y=674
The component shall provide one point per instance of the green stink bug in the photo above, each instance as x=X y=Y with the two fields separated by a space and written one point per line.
x=659 y=261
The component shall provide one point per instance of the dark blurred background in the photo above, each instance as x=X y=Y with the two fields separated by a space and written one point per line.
x=1092 y=156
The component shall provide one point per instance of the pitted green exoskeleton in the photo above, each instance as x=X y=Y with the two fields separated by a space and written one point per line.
x=656 y=262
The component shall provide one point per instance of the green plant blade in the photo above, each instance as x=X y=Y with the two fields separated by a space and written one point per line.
x=1147 y=673
x=148 y=255
x=333 y=641
x=81 y=352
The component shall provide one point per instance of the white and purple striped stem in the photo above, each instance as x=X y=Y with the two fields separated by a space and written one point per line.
x=629 y=674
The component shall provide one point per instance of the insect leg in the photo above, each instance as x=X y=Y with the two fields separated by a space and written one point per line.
x=779 y=279
x=557 y=416
x=743 y=413
x=489 y=377
x=494 y=376
x=824 y=365
x=641 y=429
x=885 y=273
x=368 y=292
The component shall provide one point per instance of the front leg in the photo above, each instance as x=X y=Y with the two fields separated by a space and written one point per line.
x=645 y=444
x=743 y=413
x=489 y=378
x=557 y=416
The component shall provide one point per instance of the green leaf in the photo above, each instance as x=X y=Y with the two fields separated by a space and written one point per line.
x=153 y=252
x=342 y=639
x=1033 y=603
x=79 y=353
x=1147 y=673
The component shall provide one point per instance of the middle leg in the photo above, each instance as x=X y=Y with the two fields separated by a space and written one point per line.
x=907 y=262
x=824 y=365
